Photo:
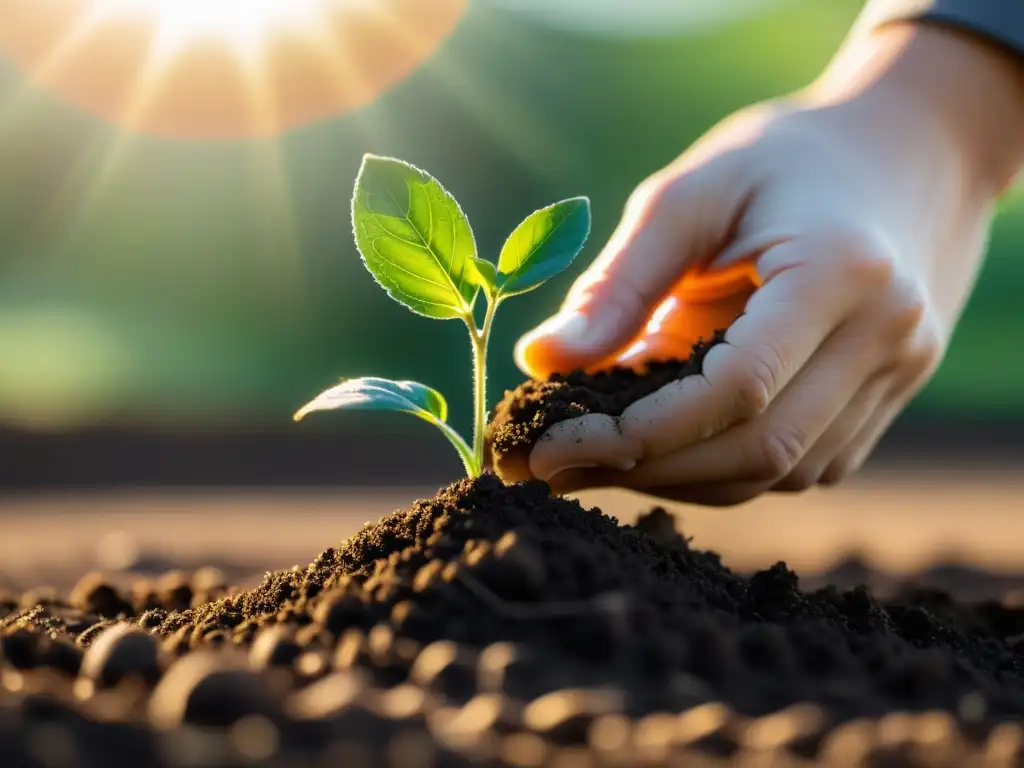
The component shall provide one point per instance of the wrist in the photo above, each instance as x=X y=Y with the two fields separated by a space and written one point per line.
x=951 y=94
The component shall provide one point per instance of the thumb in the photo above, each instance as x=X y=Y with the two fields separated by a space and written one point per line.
x=671 y=223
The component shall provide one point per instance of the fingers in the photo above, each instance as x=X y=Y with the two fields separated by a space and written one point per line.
x=704 y=494
x=863 y=411
x=922 y=357
x=840 y=450
x=593 y=440
x=768 y=449
x=702 y=303
x=840 y=434
x=850 y=460
x=668 y=226
x=573 y=480
x=714 y=494
x=804 y=298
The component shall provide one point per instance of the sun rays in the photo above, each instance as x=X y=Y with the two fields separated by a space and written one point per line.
x=221 y=68
x=211 y=70
x=243 y=23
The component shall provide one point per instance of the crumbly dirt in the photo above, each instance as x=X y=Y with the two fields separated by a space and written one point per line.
x=527 y=411
x=498 y=625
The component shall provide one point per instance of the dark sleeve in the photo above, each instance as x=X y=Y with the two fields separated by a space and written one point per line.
x=1000 y=21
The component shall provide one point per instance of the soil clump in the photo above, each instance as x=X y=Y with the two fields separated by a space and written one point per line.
x=527 y=411
x=499 y=625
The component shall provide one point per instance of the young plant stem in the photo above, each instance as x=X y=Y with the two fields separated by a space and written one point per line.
x=479 y=340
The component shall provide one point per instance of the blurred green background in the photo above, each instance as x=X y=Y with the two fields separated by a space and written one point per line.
x=173 y=284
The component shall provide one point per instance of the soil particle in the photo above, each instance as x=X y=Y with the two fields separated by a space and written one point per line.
x=200 y=690
x=121 y=652
x=527 y=411
x=94 y=595
x=501 y=625
x=274 y=647
x=446 y=669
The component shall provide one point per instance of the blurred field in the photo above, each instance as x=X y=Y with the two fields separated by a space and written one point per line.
x=898 y=523
x=177 y=284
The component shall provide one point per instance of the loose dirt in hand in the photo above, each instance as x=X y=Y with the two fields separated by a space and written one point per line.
x=527 y=411
x=498 y=625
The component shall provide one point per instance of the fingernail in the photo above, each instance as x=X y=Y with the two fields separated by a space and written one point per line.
x=576 y=330
x=565 y=326
x=522 y=357
x=564 y=329
x=624 y=465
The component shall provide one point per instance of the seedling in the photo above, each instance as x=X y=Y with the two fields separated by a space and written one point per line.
x=418 y=244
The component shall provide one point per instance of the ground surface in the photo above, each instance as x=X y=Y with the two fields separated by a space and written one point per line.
x=715 y=652
x=901 y=522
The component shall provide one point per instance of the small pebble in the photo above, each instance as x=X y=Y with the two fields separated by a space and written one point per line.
x=565 y=716
x=446 y=668
x=200 y=690
x=119 y=652
x=95 y=595
x=274 y=647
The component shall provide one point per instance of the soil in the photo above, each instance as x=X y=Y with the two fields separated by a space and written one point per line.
x=498 y=625
x=527 y=411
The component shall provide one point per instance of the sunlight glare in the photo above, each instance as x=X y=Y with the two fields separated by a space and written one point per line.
x=244 y=23
x=219 y=69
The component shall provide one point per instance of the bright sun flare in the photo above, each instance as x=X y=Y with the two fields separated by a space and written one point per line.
x=245 y=23
x=221 y=68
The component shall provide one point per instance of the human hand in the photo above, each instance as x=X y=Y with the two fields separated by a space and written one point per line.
x=863 y=204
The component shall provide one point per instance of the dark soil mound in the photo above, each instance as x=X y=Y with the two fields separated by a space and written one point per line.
x=499 y=624
x=527 y=411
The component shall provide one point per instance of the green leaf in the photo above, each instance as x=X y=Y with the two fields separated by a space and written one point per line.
x=486 y=274
x=543 y=245
x=414 y=238
x=374 y=394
